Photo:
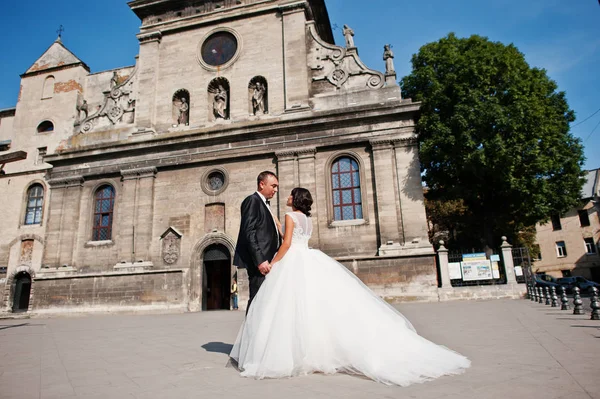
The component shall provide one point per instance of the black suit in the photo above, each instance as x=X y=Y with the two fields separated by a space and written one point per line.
x=257 y=241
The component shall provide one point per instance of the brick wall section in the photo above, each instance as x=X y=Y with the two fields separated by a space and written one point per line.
x=163 y=287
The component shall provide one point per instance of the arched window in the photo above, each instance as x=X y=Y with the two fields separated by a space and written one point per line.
x=45 y=127
x=48 y=89
x=104 y=202
x=35 y=204
x=345 y=185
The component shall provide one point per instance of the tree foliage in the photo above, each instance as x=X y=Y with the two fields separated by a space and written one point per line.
x=494 y=134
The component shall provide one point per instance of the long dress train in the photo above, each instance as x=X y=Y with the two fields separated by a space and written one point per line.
x=311 y=314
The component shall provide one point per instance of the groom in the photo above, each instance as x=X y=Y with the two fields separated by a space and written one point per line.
x=259 y=239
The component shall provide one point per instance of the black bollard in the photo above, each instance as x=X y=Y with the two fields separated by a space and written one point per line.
x=554 y=298
x=547 y=295
x=595 y=305
x=578 y=309
x=534 y=293
x=563 y=299
x=540 y=295
x=528 y=295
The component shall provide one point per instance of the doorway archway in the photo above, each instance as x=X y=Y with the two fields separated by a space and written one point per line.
x=216 y=277
x=21 y=292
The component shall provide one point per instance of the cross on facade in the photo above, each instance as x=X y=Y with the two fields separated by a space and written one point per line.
x=60 y=31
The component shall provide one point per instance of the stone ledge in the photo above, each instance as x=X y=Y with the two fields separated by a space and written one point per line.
x=510 y=291
x=110 y=274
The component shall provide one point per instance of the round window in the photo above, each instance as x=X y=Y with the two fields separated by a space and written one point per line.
x=219 y=48
x=214 y=181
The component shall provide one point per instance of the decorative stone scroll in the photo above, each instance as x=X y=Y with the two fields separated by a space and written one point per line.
x=339 y=66
x=118 y=106
x=171 y=245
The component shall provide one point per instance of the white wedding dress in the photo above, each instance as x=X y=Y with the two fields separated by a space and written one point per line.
x=311 y=314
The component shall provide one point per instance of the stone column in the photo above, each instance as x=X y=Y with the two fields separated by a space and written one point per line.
x=509 y=266
x=147 y=79
x=295 y=72
x=136 y=214
x=444 y=271
x=287 y=171
x=308 y=179
x=412 y=203
x=63 y=221
x=387 y=216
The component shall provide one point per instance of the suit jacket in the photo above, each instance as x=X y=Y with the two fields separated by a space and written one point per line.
x=258 y=239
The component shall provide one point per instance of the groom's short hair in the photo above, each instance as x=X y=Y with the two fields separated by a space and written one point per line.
x=263 y=176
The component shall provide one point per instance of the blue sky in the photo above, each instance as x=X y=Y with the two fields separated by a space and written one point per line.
x=562 y=36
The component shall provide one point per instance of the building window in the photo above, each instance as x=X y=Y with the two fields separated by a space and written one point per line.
x=561 y=249
x=590 y=247
x=556 y=222
x=41 y=153
x=35 y=204
x=345 y=184
x=103 y=213
x=45 y=127
x=584 y=218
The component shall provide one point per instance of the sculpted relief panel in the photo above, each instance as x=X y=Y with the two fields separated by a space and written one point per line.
x=117 y=107
x=333 y=67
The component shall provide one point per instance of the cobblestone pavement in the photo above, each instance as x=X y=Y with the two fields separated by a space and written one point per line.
x=519 y=349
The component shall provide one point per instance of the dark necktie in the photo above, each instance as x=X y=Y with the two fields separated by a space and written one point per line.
x=268 y=202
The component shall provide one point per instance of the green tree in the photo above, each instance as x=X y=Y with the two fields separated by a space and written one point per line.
x=494 y=133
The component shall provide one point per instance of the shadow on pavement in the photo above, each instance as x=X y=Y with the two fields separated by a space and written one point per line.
x=4 y=326
x=219 y=347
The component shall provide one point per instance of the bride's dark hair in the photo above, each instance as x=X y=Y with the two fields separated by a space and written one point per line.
x=302 y=200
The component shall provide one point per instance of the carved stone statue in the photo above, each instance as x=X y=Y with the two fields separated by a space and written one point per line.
x=184 y=109
x=388 y=57
x=81 y=106
x=220 y=103
x=114 y=81
x=348 y=34
x=258 y=97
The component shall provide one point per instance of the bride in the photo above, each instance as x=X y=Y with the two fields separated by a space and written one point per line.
x=312 y=314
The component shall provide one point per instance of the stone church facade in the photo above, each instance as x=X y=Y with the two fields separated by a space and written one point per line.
x=130 y=193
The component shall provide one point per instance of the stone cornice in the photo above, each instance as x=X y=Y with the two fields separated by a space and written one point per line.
x=270 y=137
x=150 y=37
x=381 y=144
x=139 y=173
x=67 y=181
x=55 y=69
x=406 y=142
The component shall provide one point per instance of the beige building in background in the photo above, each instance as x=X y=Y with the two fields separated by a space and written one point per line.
x=570 y=243
x=129 y=197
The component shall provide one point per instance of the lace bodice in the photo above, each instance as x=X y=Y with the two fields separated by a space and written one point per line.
x=302 y=228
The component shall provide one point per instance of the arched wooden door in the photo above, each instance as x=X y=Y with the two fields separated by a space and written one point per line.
x=21 y=292
x=216 y=278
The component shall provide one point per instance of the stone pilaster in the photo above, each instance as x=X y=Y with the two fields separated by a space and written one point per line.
x=136 y=214
x=307 y=179
x=294 y=56
x=412 y=203
x=287 y=171
x=148 y=79
x=63 y=222
x=387 y=217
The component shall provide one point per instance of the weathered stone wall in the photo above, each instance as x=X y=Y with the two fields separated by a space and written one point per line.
x=115 y=291
x=397 y=278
